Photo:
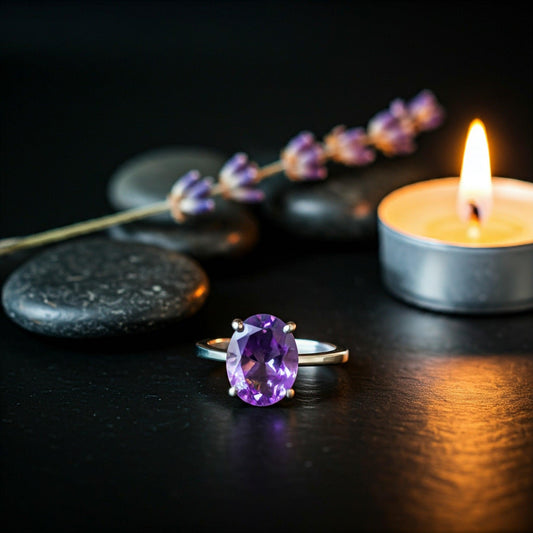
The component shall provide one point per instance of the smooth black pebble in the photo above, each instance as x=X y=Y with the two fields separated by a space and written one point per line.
x=341 y=208
x=97 y=287
x=230 y=230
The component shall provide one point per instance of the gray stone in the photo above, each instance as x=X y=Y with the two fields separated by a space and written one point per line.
x=149 y=176
x=96 y=287
x=341 y=208
x=231 y=230
x=228 y=231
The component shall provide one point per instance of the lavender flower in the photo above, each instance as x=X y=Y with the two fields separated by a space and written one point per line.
x=393 y=131
x=303 y=158
x=398 y=109
x=390 y=133
x=422 y=113
x=349 y=147
x=190 y=195
x=237 y=178
x=425 y=111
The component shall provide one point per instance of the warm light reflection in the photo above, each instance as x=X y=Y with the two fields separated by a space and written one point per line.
x=474 y=200
x=473 y=443
x=200 y=292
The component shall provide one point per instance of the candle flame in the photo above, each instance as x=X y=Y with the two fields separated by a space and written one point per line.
x=474 y=200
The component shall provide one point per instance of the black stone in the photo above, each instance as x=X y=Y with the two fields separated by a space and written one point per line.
x=228 y=231
x=341 y=208
x=231 y=230
x=149 y=176
x=96 y=287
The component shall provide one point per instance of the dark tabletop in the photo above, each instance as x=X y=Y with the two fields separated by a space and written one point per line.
x=428 y=427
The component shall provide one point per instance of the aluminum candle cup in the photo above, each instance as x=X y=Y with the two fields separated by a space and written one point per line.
x=430 y=258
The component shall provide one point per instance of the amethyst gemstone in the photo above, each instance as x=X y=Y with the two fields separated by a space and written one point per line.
x=262 y=360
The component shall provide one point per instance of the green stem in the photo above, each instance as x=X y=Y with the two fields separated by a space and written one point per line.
x=269 y=170
x=10 y=245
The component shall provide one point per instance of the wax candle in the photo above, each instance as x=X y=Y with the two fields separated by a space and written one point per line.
x=460 y=244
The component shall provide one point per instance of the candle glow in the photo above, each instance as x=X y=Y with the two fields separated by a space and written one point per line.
x=474 y=198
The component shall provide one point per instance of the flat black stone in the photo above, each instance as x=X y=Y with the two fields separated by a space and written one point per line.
x=149 y=176
x=230 y=230
x=341 y=208
x=101 y=288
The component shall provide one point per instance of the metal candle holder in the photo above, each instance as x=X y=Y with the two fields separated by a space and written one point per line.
x=442 y=276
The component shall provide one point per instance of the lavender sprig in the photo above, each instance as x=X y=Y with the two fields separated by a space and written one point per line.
x=391 y=132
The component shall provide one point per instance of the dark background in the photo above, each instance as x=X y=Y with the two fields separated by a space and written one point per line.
x=429 y=427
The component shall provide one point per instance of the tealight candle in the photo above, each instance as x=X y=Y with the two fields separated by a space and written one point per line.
x=462 y=245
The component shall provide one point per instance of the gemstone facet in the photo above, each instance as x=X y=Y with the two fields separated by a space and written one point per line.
x=262 y=360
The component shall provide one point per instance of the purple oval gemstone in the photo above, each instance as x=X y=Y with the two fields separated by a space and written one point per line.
x=262 y=360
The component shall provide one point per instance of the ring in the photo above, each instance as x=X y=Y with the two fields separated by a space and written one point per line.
x=262 y=357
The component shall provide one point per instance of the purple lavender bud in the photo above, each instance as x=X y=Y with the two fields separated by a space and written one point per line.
x=247 y=194
x=235 y=163
x=398 y=109
x=349 y=147
x=200 y=189
x=425 y=111
x=196 y=206
x=390 y=133
x=302 y=141
x=303 y=158
x=238 y=172
x=184 y=183
x=190 y=196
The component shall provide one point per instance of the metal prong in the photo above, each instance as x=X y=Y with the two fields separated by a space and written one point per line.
x=231 y=391
x=237 y=324
x=290 y=393
x=289 y=327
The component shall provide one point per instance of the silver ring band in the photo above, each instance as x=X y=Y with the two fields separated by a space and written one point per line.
x=310 y=352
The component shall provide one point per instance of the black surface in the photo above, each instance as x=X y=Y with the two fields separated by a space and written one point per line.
x=429 y=427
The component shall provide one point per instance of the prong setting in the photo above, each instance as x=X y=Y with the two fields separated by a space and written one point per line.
x=232 y=392
x=290 y=393
x=290 y=327
x=237 y=324
x=262 y=360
